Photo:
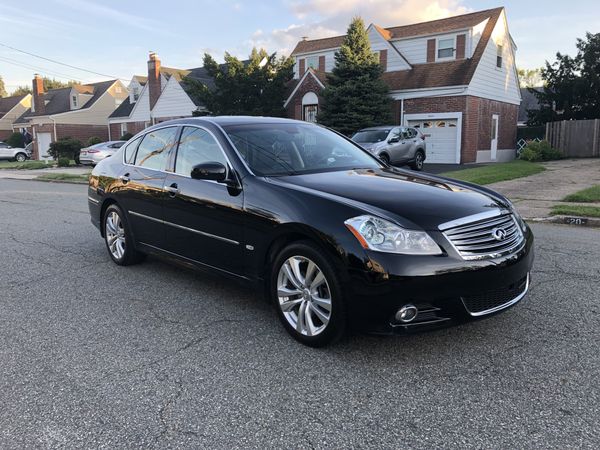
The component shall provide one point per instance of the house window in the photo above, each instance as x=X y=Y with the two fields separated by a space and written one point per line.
x=123 y=128
x=136 y=94
x=445 y=48
x=499 y=56
x=74 y=101
x=312 y=62
x=118 y=89
x=310 y=113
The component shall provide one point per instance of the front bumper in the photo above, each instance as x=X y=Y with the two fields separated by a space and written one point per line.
x=446 y=290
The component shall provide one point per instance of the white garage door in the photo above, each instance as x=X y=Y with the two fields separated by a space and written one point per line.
x=440 y=138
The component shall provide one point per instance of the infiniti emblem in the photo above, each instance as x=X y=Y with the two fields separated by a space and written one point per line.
x=499 y=233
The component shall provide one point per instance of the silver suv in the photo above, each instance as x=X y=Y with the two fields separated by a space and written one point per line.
x=15 y=153
x=394 y=145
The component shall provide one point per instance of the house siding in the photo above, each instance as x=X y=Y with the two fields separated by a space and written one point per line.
x=173 y=102
x=394 y=61
x=7 y=120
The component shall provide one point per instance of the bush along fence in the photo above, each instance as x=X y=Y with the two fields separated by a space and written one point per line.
x=575 y=138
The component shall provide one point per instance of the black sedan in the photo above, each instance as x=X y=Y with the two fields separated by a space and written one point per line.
x=336 y=238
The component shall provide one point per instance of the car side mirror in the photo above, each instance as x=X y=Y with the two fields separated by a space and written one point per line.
x=393 y=140
x=214 y=171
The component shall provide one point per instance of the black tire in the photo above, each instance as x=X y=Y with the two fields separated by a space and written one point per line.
x=337 y=323
x=127 y=254
x=419 y=161
x=20 y=157
x=385 y=158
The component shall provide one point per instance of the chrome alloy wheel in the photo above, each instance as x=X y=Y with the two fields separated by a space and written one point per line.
x=304 y=295
x=115 y=235
x=419 y=160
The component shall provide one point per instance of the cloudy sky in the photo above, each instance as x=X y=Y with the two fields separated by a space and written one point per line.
x=113 y=38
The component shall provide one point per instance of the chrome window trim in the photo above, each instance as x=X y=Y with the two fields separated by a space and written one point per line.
x=181 y=227
x=502 y=306
x=473 y=218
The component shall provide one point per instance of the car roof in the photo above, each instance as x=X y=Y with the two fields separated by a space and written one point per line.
x=231 y=120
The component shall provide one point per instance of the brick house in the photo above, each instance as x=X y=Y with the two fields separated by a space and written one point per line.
x=79 y=111
x=453 y=78
x=11 y=108
x=159 y=96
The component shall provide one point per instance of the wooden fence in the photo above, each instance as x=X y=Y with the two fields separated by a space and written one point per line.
x=575 y=138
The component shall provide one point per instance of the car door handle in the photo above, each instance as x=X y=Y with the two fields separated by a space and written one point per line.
x=124 y=178
x=173 y=190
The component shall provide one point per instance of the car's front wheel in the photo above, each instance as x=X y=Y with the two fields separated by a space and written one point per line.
x=308 y=295
x=20 y=157
x=118 y=238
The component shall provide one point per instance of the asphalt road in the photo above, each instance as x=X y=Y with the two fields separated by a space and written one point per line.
x=95 y=355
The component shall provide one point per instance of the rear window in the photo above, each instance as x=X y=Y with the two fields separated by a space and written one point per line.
x=368 y=136
x=130 y=149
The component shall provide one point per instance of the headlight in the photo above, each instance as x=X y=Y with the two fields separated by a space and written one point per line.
x=383 y=236
x=514 y=211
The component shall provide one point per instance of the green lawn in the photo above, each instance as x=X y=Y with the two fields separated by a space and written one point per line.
x=576 y=210
x=26 y=165
x=493 y=173
x=589 y=195
x=64 y=177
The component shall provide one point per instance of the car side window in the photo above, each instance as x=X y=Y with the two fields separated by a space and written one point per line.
x=412 y=132
x=130 y=149
x=395 y=133
x=154 y=148
x=405 y=134
x=3 y=145
x=197 y=146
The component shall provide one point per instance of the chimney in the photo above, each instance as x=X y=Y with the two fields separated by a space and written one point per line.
x=39 y=105
x=153 y=78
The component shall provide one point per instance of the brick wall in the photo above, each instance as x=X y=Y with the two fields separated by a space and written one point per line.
x=476 y=120
x=132 y=127
x=81 y=132
x=294 y=107
x=4 y=134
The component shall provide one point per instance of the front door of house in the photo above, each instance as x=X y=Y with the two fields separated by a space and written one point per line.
x=494 y=136
x=43 y=145
x=310 y=113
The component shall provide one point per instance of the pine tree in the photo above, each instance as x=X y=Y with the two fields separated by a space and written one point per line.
x=355 y=96
x=2 y=88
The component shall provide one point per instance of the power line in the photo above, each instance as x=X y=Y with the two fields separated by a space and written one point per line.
x=61 y=63
x=40 y=69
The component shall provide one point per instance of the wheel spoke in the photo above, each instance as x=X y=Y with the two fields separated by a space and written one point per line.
x=324 y=303
x=300 y=322
x=310 y=273
x=288 y=305
x=295 y=265
x=110 y=225
x=324 y=318
x=290 y=275
x=284 y=291
x=317 y=281
x=310 y=325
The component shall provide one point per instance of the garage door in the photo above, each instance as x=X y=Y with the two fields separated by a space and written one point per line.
x=440 y=138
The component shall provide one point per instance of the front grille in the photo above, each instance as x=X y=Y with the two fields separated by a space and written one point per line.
x=486 y=238
x=494 y=300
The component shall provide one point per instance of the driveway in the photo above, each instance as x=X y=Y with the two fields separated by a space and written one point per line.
x=95 y=355
x=535 y=195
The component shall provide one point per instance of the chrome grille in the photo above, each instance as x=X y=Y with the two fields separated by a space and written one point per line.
x=488 y=237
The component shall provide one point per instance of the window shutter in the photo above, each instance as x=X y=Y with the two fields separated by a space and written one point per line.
x=460 y=46
x=430 y=50
x=383 y=59
x=321 y=63
x=302 y=66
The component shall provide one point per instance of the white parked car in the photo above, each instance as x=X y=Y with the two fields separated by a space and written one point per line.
x=15 y=153
x=94 y=154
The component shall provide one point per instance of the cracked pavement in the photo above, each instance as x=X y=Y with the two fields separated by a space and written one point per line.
x=157 y=356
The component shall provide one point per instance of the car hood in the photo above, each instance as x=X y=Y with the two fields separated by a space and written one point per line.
x=370 y=145
x=413 y=200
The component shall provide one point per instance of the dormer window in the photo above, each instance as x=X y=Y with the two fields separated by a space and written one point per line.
x=312 y=62
x=74 y=99
x=499 y=56
x=136 y=94
x=445 y=48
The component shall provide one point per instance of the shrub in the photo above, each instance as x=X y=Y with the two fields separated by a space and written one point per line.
x=126 y=137
x=93 y=141
x=16 y=140
x=64 y=162
x=65 y=148
x=539 y=151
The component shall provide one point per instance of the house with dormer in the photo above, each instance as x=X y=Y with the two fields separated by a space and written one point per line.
x=455 y=79
x=78 y=111
x=11 y=108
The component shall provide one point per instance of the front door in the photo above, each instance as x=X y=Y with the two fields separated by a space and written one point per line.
x=494 y=134
x=43 y=144
x=203 y=218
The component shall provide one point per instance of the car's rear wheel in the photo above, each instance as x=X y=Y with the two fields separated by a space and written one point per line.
x=118 y=238
x=419 y=161
x=308 y=295
x=20 y=157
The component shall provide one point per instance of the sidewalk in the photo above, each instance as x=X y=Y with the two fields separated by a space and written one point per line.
x=33 y=174
x=535 y=195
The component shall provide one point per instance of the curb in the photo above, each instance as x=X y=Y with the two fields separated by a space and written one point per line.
x=575 y=221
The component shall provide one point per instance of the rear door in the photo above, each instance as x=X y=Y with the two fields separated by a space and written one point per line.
x=403 y=148
x=204 y=219
x=141 y=182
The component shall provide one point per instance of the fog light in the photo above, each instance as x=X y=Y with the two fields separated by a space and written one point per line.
x=407 y=313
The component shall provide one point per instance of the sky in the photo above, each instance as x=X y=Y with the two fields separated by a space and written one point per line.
x=114 y=37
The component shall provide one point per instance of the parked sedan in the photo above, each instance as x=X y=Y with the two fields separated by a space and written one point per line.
x=14 y=153
x=394 y=145
x=94 y=154
x=336 y=237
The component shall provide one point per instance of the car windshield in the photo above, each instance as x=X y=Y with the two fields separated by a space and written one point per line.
x=292 y=148
x=369 y=136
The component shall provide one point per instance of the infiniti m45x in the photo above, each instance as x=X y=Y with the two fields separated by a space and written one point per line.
x=337 y=238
